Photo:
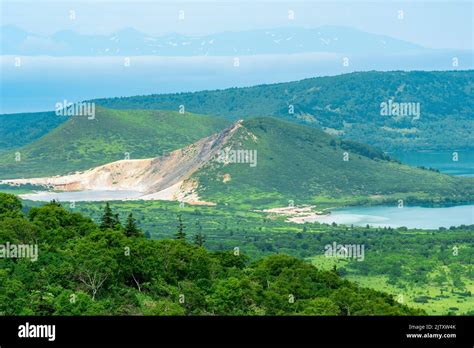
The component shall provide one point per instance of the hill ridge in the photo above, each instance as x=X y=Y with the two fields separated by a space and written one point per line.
x=81 y=143
x=162 y=177
x=266 y=161
x=348 y=105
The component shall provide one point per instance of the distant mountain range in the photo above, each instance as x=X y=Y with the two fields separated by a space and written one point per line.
x=291 y=40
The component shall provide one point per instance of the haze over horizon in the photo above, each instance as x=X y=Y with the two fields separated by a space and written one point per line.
x=417 y=21
x=86 y=53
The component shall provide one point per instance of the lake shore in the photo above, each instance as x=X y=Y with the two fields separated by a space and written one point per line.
x=418 y=217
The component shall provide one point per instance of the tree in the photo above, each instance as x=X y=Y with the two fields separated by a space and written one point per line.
x=235 y=296
x=131 y=228
x=55 y=203
x=181 y=235
x=346 y=299
x=199 y=239
x=95 y=261
x=116 y=222
x=319 y=306
x=163 y=307
x=108 y=219
x=9 y=204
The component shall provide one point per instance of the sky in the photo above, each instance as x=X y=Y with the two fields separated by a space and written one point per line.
x=433 y=24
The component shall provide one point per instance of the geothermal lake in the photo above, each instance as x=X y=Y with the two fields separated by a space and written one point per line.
x=411 y=217
x=90 y=196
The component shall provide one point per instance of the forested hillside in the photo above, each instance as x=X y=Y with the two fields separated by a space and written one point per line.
x=300 y=163
x=111 y=269
x=348 y=105
x=112 y=135
x=23 y=128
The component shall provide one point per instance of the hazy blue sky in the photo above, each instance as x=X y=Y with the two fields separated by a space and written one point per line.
x=435 y=24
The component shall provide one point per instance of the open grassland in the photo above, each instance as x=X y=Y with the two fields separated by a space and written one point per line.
x=433 y=297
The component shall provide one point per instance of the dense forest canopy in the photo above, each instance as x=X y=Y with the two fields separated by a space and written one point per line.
x=111 y=269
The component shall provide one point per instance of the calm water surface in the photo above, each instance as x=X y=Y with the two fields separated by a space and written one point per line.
x=411 y=217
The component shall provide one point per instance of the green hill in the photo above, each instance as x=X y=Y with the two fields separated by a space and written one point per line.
x=348 y=105
x=304 y=164
x=20 y=129
x=80 y=143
